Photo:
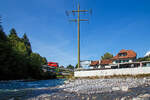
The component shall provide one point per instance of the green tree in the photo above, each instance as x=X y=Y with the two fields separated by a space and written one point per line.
x=3 y=36
x=21 y=48
x=13 y=38
x=70 y=67
x=77 y=66
x=37 y=59
x=144 y=59
x=44 y=61
x=16 y=43
x=13 y=35
x=27 y=44
x=107 y=55
x=5 y=51
x=16 y=62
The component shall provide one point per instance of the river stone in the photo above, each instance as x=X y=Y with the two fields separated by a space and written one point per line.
x=12 y=99
x=115 y=88
x=82 y=98
x=88 y=98
x=124 y=88
x=123 y=98
x=46 y=99
x=94 y=98
x=145 y=96
x=66 y=82
x=137 y=98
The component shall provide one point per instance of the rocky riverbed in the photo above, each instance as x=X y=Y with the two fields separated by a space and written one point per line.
x=90 y=89
x=102 y=89
x=91 y=86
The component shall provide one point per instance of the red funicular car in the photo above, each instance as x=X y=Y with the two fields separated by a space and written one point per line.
x=53 y=64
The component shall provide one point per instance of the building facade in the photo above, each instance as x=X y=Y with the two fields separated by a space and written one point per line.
x=124 y=56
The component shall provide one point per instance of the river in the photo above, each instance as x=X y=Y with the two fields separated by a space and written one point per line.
x=20 y=90
x=51 y=89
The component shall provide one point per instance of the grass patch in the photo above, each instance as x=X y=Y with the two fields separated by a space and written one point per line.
x=60 y=76
x=70 y=77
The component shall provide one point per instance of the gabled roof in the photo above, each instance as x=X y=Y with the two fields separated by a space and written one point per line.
x=130 y=54
x=94 y=63
x=106 y=61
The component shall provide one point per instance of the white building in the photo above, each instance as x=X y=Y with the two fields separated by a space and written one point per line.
x=147 y=54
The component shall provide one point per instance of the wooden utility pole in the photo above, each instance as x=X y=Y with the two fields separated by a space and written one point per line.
x=79 y=36
x=78 y=21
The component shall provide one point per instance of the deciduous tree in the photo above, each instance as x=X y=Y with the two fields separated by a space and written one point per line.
x=107 y=55
x=70 y=66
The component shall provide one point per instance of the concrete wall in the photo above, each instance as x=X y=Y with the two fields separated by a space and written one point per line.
x=111 y=72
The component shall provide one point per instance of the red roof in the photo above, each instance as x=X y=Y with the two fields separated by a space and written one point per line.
x=106 y=61
x=53 y=64
x=94 y=63
x=129 y=54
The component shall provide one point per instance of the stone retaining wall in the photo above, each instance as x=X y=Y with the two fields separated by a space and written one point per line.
x=111 y=72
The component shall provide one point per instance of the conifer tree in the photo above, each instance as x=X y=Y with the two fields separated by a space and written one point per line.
x=27 y=43
x=13 y=35
x=16 y=43
x=2 y=33
x=44 y=60
x=13 y=38
x=3 y=36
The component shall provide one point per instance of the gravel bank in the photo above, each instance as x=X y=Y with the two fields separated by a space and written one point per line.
x=91 y=86
x=138 y=93
x=89 y=89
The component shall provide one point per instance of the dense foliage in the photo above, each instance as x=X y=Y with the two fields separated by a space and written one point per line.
x=77 y=66
x=70 y=67
x=144 y=58
x=107 y=55
x=17 y=61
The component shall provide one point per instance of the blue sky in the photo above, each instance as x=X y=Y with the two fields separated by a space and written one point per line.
x=113 y=25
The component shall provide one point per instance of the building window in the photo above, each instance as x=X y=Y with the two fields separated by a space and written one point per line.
x=121 y=61
x=122 y=54
x=117 y=61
